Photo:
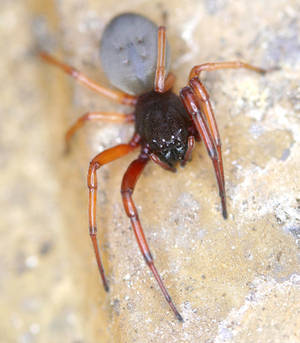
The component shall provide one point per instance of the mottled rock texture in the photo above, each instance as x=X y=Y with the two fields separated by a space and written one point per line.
x=233 y=281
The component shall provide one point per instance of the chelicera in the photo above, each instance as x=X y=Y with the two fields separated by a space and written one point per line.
x=135 y=56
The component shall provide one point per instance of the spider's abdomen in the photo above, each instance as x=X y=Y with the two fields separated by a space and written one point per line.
x=128 y=53
x=162 y=122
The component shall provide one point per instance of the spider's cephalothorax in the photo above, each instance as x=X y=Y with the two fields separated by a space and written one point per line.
x=162 y=122
x=136 y=57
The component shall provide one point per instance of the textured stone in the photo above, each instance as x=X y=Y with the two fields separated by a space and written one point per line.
x=234 y=280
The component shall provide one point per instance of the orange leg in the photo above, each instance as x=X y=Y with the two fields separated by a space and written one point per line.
x=193 y=107
x=201 y=92
x=196 y=100
x=89 y=116
x=196 y=70
x=128 y=184
x=162 y=82
x=104 y=157
x=115 y=95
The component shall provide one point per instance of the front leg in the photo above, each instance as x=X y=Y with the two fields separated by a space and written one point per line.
x=128 y=184
x=201 y=93
x=193 y=107
x=101 y=159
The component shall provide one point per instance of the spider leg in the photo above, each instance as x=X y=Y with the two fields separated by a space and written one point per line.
x=196 y=70
x=162 y=83
x=128 y=184
x=191 y=103
x=196 y=95
x=104 y=157
x=94 y=116
x=201 y=92
x=118 y=96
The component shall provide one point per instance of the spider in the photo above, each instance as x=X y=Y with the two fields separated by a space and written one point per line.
x=135 y=56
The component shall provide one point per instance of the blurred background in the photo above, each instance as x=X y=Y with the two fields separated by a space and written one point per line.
x=233 y=281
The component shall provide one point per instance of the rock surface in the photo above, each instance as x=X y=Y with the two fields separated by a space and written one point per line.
x=233 y=281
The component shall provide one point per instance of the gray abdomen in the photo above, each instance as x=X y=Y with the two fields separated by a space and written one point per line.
x=128 y=52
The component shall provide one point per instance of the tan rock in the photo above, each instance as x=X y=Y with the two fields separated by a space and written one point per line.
x=234 y=280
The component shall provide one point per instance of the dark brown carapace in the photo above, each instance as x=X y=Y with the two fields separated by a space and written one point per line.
x=135 y=56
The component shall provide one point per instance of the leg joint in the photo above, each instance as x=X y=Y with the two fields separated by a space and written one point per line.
x=129 y=206
x=74 y=73
x=127 y=192
x=94 y=165
x=213 y=154
x=199 y=89
x=93 y=230
x=148 y=257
